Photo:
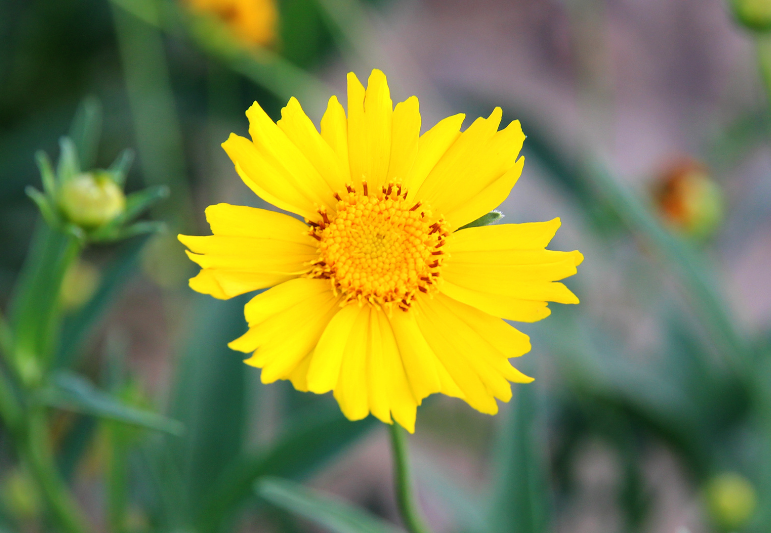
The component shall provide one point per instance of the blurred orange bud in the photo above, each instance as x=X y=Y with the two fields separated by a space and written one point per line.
x=251 y=21
x=688 y=199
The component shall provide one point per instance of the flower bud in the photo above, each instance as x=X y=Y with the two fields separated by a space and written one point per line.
x=91 y=199
x=79 y=284
x=688 y=199
x=754 y=14
x=731 y=500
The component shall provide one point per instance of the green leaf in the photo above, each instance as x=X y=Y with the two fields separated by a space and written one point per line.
x=466 y=508
x=484 y=220
x=47 y=210
x=73 y=393
x=46 y=174
x=86 y=129
x=34 y=311
x=136 y=204
x=77 y=327
x=69 y=166
x=331 y=513
x=521 y=499
x=210 y=397
x=314 y=439
x=120 y=167
x=692 y=267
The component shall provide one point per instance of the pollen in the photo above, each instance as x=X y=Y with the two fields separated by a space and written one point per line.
x=379 y=248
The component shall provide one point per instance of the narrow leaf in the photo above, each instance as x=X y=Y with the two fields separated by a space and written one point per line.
x=77 y=327
x=314 y=439
x=484 y=220
x=521 y=500
x=46 y=173
x=331 y=513
x=86 y=129
x=69 y=166
x=44 y=205
x=74 y=393
x=120 y=167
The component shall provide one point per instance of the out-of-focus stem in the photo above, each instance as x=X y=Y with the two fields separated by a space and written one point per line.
x=763 y=44
x=408 y=507
x=156 y=124
x=34 y=446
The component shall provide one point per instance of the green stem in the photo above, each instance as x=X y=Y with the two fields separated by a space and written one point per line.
x=34 y=446
x=411 y=515
x=763 y=44
x=35 y=307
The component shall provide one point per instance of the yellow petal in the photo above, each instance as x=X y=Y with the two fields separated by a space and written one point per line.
x=498 y=305
x=432 y=145
x=401 y=401
x=283 y=341
x=369 y=129
x=461 y=162
x=266 y=180
x=351 y=389
x=404 y=139
x=379 y=378
x=226 y=284
x=506 y=339
x=324 y=368
x=479 y=203
x=205 y=283
x=528 y=236
x=378 y=114
x=287 y=159
x=504 y=270
x=242 y=221
x=301 y=131
x=420 y=363
x=247 y=246
x=446 y=344
x=282 y=297
x=547 y=291
x=358 y=146
x=334 y=130
x=295 y=343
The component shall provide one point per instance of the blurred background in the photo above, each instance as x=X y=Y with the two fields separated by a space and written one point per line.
x=648 y=134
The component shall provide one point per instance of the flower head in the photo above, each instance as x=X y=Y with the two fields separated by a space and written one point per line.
x=251 y=21
x=377 y=296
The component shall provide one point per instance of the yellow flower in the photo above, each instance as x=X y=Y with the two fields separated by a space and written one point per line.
x=376 y=296
x=252 y=21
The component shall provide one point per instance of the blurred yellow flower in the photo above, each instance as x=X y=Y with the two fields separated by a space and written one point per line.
x=731 y=500
x=377 y=296
x=252 y=21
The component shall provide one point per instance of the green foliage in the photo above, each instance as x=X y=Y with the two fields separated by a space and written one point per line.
x=331 y=513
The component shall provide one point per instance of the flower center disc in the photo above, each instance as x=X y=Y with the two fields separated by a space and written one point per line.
x=379 y=248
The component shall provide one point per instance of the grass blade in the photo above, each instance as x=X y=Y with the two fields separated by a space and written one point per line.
x=74 y=393
x=331 y=513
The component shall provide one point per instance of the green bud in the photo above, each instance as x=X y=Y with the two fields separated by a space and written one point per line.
x=91 y=199
x=754 y=14
x=731 y=500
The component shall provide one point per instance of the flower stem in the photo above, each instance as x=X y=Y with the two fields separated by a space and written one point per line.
x=763 y=45
x=34 y=445
x=411 y=515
